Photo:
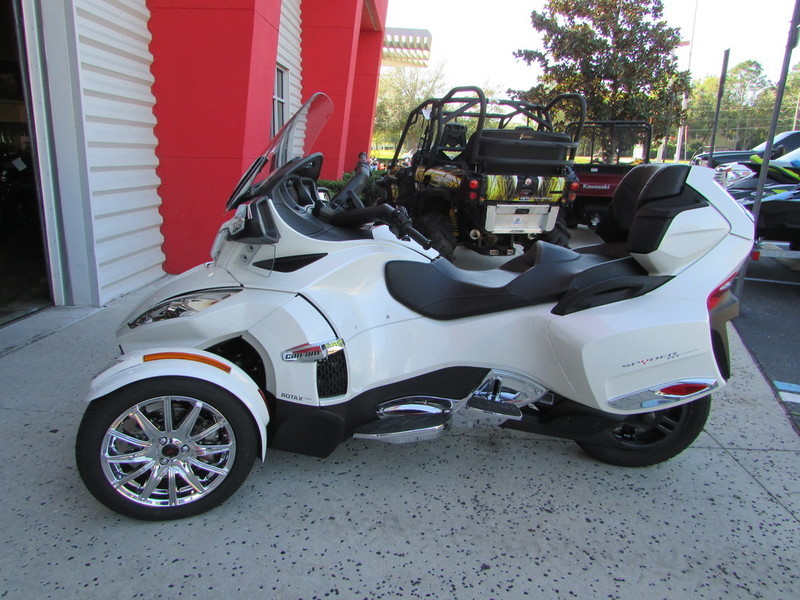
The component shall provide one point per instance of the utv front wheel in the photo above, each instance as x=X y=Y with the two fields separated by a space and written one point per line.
x=165 y=448
x=650 y=438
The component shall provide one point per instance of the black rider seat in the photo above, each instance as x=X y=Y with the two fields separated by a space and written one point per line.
x=440 y=290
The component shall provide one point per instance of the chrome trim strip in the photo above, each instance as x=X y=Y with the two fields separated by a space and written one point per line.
x=405 y=437
x=653 y=398
x=415 y=405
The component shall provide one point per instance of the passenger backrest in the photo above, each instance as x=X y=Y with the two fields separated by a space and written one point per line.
x=624 y=227
x=663 y=197
x=616 y=221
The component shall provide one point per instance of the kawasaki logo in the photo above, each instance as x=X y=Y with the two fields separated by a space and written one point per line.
x=596 y=186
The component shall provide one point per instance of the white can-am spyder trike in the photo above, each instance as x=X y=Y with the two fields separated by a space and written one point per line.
x=319 y=321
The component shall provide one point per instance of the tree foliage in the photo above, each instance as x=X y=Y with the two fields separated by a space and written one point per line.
x=618 y=53
x=745 y=111
x=400 y=90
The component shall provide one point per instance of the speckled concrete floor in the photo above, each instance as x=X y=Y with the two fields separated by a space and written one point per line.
x=478 y=514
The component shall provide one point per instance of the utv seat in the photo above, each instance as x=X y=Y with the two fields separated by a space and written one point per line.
x=453 y=142
x=454 y=136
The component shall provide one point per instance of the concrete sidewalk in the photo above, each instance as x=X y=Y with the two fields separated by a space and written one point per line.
x=477 y=514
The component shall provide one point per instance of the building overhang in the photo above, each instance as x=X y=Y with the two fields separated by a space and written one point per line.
x=406 y=47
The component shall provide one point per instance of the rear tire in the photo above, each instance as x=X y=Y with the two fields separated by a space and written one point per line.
x=165 y=448
x=650 y=438
x=559 y=235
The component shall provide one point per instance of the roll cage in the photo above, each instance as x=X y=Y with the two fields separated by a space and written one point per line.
x=488 y=143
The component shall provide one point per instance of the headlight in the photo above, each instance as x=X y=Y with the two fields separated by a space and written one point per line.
x=183 y=306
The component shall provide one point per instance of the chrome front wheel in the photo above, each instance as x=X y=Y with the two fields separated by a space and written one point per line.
x=165 y=448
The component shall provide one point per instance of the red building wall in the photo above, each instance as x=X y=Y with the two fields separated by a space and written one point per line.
x=347 y=71
x=214 y=66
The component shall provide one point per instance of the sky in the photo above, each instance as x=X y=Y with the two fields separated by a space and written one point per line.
x=475 y=39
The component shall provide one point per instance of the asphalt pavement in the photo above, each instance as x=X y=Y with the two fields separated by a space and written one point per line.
x=769 y=324
x=480 y=513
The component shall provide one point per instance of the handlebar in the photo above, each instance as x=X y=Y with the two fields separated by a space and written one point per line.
x=396 y=218
x=348 y=196
x=347 y=210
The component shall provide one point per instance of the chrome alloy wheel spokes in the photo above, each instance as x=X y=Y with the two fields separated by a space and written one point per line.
x=168 y=451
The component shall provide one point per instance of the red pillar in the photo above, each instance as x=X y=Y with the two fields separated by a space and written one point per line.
x=365 y=95
x=329 y=45
x=341 y=50
x=214 y=67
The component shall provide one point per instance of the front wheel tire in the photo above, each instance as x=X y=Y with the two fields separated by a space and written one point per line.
x=165 y=448
x=650 y=438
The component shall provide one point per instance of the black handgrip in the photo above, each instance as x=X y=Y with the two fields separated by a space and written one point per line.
x=406 y=228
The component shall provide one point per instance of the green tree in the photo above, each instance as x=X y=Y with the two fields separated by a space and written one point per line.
x=749 y=96
x=700 y=115
x=400 y=90
x=745 y=111
x=790 y=107
x=618 y=53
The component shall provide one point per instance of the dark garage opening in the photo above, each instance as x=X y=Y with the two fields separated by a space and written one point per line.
x=24 y=277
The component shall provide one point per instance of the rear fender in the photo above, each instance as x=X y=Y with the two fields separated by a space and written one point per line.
x=185 y=362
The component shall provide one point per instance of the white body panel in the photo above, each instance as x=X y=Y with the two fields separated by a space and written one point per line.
x=592 y=356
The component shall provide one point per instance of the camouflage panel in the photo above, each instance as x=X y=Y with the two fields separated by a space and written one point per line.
x=446 y=176
x=510 y=188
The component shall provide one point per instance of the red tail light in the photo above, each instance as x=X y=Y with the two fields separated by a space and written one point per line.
x=715 y=297
x=683 y=389
x=574 y=185
x=474 y=184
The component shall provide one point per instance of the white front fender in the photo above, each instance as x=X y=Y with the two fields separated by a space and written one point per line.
x=185 y=362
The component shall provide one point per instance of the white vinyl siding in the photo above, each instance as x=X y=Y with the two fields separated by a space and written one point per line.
x=117 y=108
x=289 y=57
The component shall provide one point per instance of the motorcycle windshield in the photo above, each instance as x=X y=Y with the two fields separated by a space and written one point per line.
x=294 y=139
